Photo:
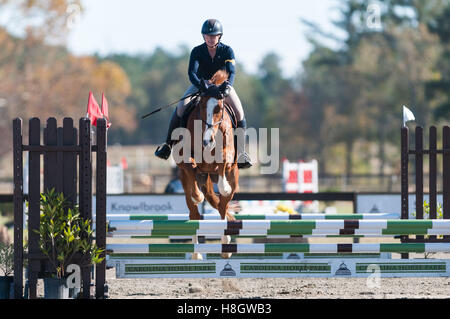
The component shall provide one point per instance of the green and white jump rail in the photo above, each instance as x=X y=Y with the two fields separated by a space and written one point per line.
x=253 y=216
x=271 y=224
x=188 y=235
x=149 y=257
x=285 y=233
x=279 y=248
x=278 y=227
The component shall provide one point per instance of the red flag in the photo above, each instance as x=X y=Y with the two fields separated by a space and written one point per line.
x=93 y=110
x=105 y=109
x=124 y=163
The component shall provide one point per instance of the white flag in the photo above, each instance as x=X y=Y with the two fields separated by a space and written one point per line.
x=407 y=115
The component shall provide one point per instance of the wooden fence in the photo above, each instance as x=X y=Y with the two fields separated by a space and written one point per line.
x=419 y=151
x=61 y=148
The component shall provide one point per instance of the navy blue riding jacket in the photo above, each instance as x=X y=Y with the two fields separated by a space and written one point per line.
x=203 y=67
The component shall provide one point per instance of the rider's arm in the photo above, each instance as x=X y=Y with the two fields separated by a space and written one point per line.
x=193 y=69
x=230 y=65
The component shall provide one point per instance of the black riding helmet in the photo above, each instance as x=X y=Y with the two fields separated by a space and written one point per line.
x=212 y=27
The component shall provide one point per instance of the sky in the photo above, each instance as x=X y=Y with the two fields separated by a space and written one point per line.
x=252 y=28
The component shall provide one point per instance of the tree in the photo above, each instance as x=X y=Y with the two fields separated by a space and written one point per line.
x=439 y=87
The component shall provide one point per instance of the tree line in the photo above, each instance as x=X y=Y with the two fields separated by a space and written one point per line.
x=343 y=107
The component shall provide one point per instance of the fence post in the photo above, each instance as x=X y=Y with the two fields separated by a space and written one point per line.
x=100 y=202
x=446 y=174
x=18 y=208
x=404 y=179
x=50 y=162
x=433 y=174
x=34 y=179
x=69 y=162
x=85 y=188
x=419 y=174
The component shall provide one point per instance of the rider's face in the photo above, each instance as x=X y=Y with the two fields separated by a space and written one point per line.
x=211 y=40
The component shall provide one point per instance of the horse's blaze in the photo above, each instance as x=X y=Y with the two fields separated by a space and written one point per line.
x=209 y=133
x=208 y=141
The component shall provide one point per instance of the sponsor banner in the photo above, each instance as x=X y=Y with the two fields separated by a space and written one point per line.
x=176 y=204
x=111 y=259
x=339 y=268
x=145 y=204
x=389 y=203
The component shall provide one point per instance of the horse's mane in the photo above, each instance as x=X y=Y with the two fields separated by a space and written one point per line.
x=219 y=77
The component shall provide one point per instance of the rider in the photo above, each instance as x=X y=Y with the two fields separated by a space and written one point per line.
x=205 y=60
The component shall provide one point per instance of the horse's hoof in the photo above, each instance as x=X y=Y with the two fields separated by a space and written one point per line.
x=197 y=256
x=226 y=239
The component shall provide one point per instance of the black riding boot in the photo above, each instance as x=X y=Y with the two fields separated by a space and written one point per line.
x=243 y=158
x=164 y=150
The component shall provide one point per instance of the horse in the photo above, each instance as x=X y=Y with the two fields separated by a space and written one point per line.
x=197 y=177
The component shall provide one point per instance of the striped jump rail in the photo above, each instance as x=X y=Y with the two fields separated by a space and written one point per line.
x=253 y=216
x=139 y=235
x=279 y=248
x=280 y=227
x=283 y=233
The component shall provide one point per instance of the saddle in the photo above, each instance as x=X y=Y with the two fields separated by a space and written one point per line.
x=192 y=105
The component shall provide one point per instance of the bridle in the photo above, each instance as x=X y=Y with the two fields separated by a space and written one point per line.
x=212 y=124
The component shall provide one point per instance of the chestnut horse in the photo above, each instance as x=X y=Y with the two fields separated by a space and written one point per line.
x=197 y=177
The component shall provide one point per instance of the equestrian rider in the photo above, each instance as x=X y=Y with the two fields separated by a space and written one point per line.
x=205 y=60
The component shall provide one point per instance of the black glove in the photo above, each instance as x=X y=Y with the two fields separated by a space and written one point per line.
x=213 y=91
x=203 y=87
x=225 y=89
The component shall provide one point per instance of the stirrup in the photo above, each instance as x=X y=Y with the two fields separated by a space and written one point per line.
x=247 y=161
x=163 y=151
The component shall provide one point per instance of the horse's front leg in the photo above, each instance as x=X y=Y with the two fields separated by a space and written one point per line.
x=189 y=169
x=186 y=180
x=227 y=190
x=223 y=184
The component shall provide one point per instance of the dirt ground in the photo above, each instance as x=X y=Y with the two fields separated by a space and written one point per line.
x=291 y=288
x=274 y=288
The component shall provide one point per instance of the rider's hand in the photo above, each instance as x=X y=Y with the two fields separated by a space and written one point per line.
x=214 y=92
x=225 y=89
